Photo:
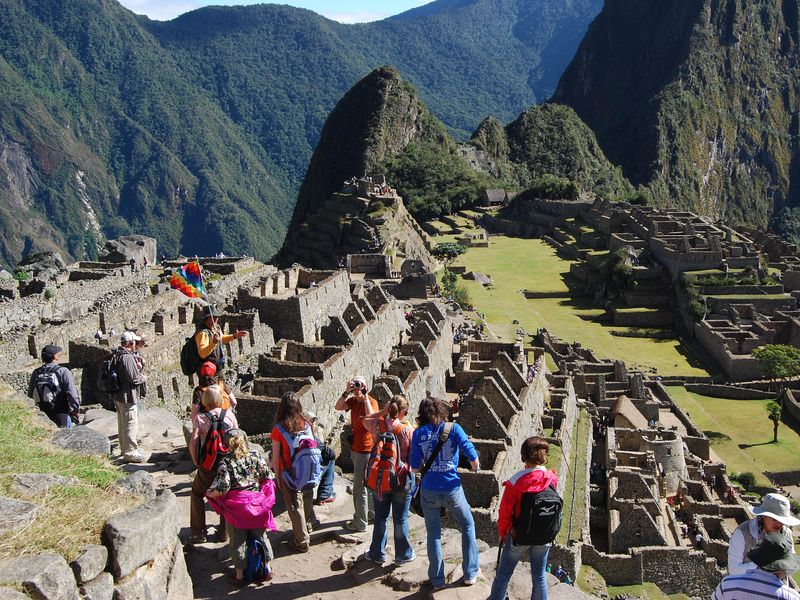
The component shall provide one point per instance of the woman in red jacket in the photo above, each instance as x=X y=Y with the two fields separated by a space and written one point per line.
x=533 y=478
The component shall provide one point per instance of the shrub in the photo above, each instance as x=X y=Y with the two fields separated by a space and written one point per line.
x=461 y=295
x=49 y=293
x=21 y=275
x=557 y=188
x=747 y=479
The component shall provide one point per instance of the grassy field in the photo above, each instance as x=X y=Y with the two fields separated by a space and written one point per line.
x=740 y=433
x=517 y=264
x=577 y=508
x=73 y=515
x=591 y=582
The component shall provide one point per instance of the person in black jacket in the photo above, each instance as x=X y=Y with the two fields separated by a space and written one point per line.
x=53 y=389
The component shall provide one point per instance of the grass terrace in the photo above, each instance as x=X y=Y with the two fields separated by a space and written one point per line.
x=575 y=500
x=72 y=515
x=516 y=264
x=741 y=433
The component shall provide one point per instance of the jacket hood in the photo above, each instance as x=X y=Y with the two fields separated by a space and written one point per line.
x=532 y=480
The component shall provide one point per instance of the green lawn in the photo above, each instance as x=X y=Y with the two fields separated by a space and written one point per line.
x=578 y=508
x=740 y=433
x=516 y=264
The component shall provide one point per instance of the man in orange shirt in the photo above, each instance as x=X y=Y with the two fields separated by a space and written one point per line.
x=360 y=404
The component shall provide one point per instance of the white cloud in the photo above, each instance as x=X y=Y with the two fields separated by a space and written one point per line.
x=161 y=10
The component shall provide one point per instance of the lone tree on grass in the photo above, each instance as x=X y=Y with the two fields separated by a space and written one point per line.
x=774 y=411
x=779 y=363
x=448 y=252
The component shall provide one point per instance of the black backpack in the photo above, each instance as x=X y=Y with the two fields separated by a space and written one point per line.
x=539 y=518
x=108 y=377
x=47 y=387
x=190 y=358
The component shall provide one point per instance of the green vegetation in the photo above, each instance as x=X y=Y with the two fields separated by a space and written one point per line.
x=21 y=275
x=518 y=264
x=591 y=582
x=746 y=479
x=73 y=515
x=774 y=411
x=575 y=500
x=779 y=363
x=558 y=188
x=786 y=222
x=448 y=252
x=739 y=433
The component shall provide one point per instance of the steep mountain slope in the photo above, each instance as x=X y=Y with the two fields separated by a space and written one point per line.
x=699 y=100
x=101 y=134
x=381 y=126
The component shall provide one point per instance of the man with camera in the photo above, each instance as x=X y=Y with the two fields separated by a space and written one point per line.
x=360 y=404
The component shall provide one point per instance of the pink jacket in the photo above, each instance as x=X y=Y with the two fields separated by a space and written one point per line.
x=248 y=510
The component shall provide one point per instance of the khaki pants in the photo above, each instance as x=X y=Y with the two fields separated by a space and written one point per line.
x=127 y=428
x=237 y=544
x=362 y=499
x=197 y=502
x=300 y=506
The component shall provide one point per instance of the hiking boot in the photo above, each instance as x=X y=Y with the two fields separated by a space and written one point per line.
x=294 y=546
x=366 y=556
x=327 y=500
x=351 y=526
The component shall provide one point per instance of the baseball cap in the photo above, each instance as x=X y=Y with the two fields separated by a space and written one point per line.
x=208 y=368
x=50 y=350
x=129 y=336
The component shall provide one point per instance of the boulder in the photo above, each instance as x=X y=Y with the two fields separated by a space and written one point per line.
x=83 y=440
x=122 y=249
x=9 y=594
x=137 y=536
x=99 y=588
x=32 y=484
x=43 y=265
x=412 y=266
x=479 y=277
x=166 y=577
x=91 y=562
x=16 y=513
x=139 y=483
x=45 y=576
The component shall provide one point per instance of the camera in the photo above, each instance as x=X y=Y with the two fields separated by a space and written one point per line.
x=356 y=384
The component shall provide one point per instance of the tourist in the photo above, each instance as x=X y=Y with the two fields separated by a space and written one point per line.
x=209 y=337
x=207 y=377
x=698 y=540
x=392 y=419
x=534 y=478
x=773 y=515
x=212 y=402
x=98 y=335
x=441 y=487
x=53 y=389
x=773 y=561
x=560 y=573
x=290 y=421
x=132 y=262
x=360 y=404
x=243 y=493
x=138 y=346
x=131 y=381
x=325 y=493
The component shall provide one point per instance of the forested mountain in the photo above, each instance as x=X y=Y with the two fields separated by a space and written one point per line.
x=698 y=100
x=199 y=130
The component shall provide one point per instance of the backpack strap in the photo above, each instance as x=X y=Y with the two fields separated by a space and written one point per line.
x=443 y=435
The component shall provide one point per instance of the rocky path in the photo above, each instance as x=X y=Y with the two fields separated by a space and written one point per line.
x=331 y=569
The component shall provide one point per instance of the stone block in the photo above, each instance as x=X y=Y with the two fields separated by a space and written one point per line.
x=90 y=563
x=16 y=513
x=139 y=483
x=83 y=440
x=137 y=536
x=32 y=484
x=46 y=576
x=166 y=577
x=99 y=588
x=9 y=594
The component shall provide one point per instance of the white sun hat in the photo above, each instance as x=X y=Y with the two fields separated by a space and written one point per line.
x=777 y=507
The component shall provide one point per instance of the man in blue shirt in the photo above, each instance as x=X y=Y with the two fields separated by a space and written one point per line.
x=441 y=487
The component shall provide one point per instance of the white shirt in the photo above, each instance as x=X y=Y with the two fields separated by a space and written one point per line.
x=737 y=562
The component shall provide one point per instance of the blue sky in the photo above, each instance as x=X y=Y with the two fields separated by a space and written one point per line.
x=345 y=11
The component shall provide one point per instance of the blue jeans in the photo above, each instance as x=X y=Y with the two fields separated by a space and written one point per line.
x=325 y=489
x=456 y=503
x=398 y=503
x=509 y=558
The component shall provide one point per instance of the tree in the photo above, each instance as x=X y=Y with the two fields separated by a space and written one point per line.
x=779 y=363
x=774 y=411
x=448 y=252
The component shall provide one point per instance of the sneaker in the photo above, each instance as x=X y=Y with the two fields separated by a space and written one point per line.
x=436 y=587
x=327 y=500
x=401 y=562
x=295 y=547
x=351 y=526
x=366 y=556
x=134 y=457
x=473 y=580
x=312 y=525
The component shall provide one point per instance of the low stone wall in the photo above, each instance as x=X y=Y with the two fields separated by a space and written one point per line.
x=141 y=557
x=731 y=392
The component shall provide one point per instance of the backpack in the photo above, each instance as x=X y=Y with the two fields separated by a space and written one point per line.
x=539 y=518
x=190 y=357
x=256 y=552
x=213 y=447
x=306 y=468
x=385 y=472
x=47 y=388
x=108 y=376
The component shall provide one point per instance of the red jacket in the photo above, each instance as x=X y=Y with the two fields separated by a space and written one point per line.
x=527 y=480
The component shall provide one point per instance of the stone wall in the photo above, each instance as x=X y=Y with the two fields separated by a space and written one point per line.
x=679 y=570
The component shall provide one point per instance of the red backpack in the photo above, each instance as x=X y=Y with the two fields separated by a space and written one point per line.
x=385 y=472
x=213 y=448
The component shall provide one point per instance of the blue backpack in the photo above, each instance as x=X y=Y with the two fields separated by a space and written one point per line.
x=306 y=456
x=256 y=569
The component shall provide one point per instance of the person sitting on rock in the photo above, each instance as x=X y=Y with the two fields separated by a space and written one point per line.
x=212 y=401
x=209 y=337
x=243 y=493
x=53 y=389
